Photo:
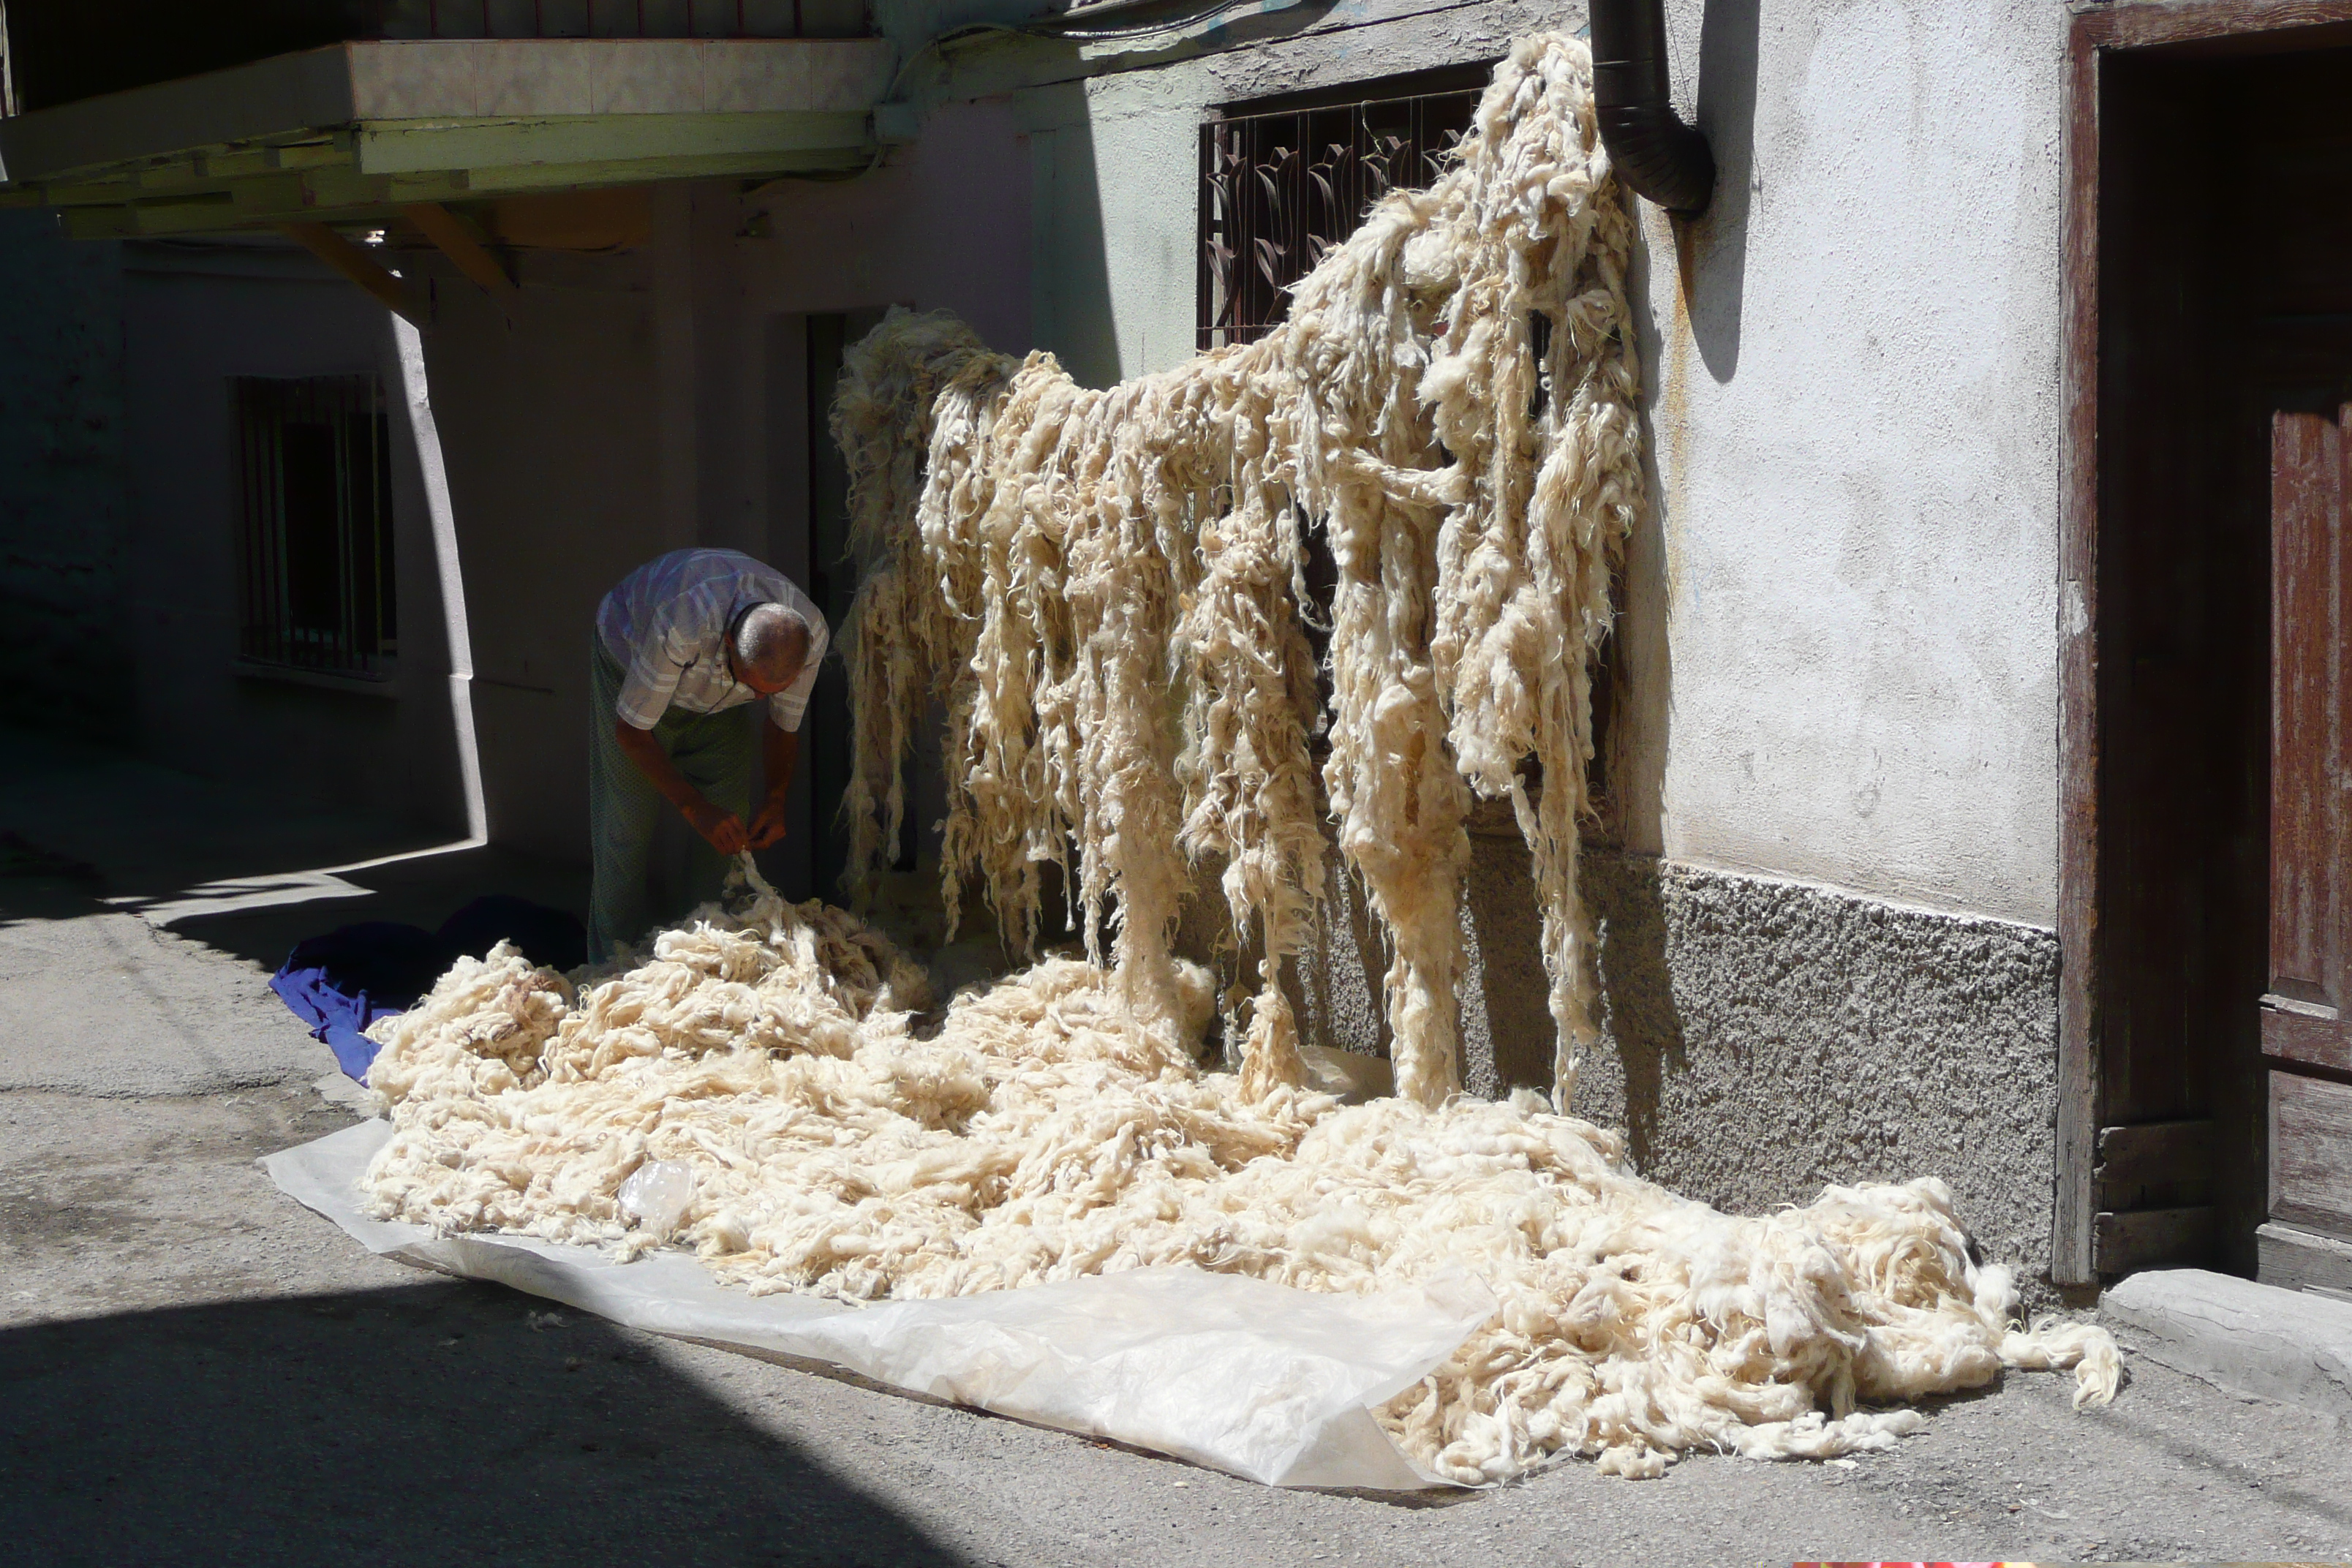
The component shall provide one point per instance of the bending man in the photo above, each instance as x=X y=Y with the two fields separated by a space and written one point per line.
x=681 y=645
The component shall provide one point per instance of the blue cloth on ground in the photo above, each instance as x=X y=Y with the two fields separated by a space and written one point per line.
x=340 y=982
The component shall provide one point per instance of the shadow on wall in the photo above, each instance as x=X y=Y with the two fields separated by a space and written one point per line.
x=1644 y=1026
x=427 y=1423
x=1070 y=310
x=63 y=497
x=1713 y=249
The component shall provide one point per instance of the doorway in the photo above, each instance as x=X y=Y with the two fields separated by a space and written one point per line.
x=2215 y=363
x=827 y=749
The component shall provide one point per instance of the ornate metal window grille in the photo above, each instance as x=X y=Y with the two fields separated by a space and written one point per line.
x=314 y=456
x=1280 y=185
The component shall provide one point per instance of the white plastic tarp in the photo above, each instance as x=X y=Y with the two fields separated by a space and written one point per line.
x=1255 y=1379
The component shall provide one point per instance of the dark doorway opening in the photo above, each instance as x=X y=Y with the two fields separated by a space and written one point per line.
x=833 y=584
x=2223 y=216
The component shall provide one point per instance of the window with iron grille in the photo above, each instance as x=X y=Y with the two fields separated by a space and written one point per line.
x=1281 y=180
x=315 y=462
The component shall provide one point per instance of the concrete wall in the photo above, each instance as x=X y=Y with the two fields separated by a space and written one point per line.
x=193 y=317
x=63 y=484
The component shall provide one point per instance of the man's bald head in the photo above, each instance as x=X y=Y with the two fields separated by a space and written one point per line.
x=771 y=644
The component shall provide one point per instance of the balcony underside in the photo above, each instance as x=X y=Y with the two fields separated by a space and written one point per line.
x=352 y=132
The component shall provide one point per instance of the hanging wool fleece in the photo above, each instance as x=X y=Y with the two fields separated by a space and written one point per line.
x=1452 y=401
x=840 y=1144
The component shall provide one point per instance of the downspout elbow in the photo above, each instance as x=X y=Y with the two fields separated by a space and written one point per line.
x=1653 y=152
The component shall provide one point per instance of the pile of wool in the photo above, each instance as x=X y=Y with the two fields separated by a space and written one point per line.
x=1107 y=591
x=841 y=1144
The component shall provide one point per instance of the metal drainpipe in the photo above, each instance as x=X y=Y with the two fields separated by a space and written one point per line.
x=1654 y=153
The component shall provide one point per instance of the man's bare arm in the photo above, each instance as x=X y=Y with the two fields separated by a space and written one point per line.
x=780 y=753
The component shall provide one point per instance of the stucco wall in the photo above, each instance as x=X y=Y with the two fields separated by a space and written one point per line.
x=1761 y=1037
x=1840 y=618
x=193 y=317
x=620 y=406
x=1853 y=396
x=63 y=483
x=1766 y=1037
x=543 y=405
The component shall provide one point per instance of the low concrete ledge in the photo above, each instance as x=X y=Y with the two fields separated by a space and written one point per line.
x=2288 y=1346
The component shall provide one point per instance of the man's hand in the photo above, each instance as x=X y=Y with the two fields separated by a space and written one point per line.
x=768 y=828
x=724 y=829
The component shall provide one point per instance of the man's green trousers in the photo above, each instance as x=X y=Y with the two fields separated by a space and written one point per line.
x=716 y=752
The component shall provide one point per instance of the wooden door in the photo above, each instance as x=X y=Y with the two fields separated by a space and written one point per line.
x=2306 y=1006
x=2220 y=201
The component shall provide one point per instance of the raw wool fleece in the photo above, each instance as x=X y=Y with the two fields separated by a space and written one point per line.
x=1072 y=557
x=1034 y=1136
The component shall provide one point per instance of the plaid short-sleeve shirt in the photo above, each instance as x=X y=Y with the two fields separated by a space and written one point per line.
x=666 y=625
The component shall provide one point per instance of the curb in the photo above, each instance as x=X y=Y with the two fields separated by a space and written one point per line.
x=2288 y=1345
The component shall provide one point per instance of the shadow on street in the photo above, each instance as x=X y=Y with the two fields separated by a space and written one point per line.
x=437 y=1422
x=85 y=830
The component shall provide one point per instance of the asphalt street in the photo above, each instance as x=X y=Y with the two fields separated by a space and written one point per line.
x=194 y=1369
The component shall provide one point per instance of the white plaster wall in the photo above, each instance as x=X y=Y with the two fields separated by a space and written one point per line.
x=1855 y=406
x=1840 y=620
x=1148 y=120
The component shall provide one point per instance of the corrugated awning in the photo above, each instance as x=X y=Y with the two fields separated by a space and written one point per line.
x=349 y=133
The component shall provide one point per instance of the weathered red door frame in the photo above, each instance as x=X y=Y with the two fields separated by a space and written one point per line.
x=2095 y=30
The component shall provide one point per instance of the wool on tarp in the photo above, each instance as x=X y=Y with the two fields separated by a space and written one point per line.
x=842 y=1142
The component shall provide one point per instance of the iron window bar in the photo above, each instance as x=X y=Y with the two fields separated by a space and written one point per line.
x=1279 y=188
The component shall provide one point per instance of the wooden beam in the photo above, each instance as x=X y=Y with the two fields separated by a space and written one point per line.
x=440 y=225
x=2071 y=1238
x=235 y=163
x=356 y=265
x=170 y=215
x=87 y=193
x=524 y=179
x=2146 y=23
x=2311 y=1152
x=2156 y=1152
x=2302 y=1260
x=2145 y=1237
x=313 y=155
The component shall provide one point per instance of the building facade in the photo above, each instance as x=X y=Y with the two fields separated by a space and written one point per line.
x=1864 y=872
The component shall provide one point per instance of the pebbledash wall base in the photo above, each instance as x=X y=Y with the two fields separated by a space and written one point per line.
x=1764 y=1037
